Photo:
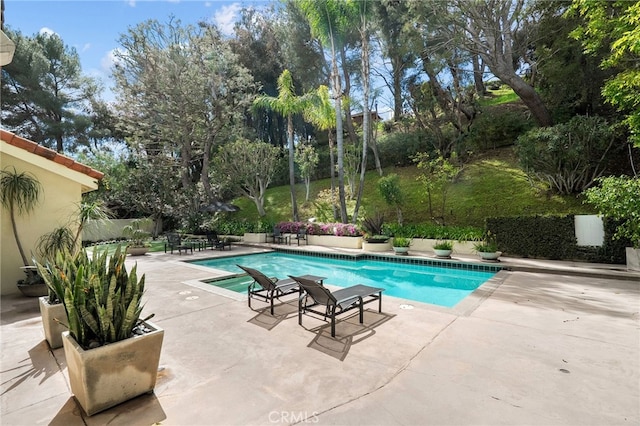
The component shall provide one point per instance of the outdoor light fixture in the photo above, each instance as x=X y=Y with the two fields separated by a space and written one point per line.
x=7 y=48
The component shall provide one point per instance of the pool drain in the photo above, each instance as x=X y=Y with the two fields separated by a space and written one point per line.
x=406 y=306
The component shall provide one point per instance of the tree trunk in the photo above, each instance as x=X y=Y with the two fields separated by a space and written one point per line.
x=332 y=163
x=353 y=136
x=478 y=75
x=397 y=71
x=530 y=98
x=366 y=116
x=292 y=175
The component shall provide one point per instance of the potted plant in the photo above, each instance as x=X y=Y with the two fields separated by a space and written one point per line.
x=443 y=249
x=619 y=198
x=138 y=238
x=487 y=250
x=54 y=317
x=112 y=355
x=19 y=194
x=401 y=245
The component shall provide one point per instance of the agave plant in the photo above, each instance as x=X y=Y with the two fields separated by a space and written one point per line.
x=101 y=298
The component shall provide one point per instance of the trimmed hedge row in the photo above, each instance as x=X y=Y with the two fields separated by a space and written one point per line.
x=552 y=237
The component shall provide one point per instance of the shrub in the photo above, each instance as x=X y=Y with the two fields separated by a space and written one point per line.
x=569 y=156
x=549 y=237
x=436 y=232
x=397 y=149
x=495 y=128
x=102 y=300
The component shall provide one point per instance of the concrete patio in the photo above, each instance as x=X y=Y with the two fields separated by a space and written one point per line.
x=548 y=343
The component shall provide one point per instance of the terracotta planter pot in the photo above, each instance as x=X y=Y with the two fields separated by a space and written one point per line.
x=53 y=329
x=106 y=376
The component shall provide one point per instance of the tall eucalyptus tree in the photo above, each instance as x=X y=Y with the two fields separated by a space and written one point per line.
x=181 y=91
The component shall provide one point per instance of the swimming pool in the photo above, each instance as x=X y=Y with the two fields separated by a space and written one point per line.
x=429 y=284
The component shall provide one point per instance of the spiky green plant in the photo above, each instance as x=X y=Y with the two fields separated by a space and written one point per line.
x=102 y=300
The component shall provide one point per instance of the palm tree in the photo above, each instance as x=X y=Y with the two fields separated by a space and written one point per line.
x=327 y=22
x=286 y=104
x=94 y=210
x=19 y=192
x=321 y=114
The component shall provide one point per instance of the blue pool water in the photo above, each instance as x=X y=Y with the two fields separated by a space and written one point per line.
x=429 y=284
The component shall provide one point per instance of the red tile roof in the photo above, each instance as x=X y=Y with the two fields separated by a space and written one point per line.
x=49 y=154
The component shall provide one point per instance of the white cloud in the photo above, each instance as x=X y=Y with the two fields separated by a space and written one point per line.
x=47 y=31
x=226 y=17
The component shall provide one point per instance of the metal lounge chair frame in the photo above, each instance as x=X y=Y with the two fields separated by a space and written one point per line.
x=267 y=288
x=175 y=242
x=336 y=302
x=216 y=243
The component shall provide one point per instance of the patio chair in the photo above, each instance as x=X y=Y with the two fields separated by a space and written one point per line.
x=279 y=237
x=268 y=288
x=174 y=242
x=216 y=243
x=302 y=235
x=337 y=302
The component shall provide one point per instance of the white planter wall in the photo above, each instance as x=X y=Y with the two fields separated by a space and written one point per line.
x=105 y=230
x=589 y=230
x=333 y=241
x=426 y=245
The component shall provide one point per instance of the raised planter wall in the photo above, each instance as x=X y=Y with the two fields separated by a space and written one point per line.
x=426 y=245
x=333 y=241
x=253 y=237
x=376 y=247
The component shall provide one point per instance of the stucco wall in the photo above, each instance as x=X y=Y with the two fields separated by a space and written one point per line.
x=58 y=205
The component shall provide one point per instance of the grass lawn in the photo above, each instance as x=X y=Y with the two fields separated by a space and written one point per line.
x=112 y=247
x=491 y=185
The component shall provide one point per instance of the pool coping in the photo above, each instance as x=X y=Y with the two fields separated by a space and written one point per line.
x=463 y=308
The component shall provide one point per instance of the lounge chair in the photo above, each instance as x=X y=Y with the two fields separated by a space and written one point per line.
x=302 y=235
x=216 y=243
x=268 y=288
x=174 y=242
x=336 y=302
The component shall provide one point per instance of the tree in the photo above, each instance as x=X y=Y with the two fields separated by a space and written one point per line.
x=45 y=97
x=618 y=197
x=390 y=20
x=392 y=193
x=437 y=175
x=487 y=28
x=322 y=114
x=614 y=24
x=327 y=20
x=19 y=193
x=286 y=104
x=570 y=156
x=307 y=160
x=181 y=91
x=247 y=167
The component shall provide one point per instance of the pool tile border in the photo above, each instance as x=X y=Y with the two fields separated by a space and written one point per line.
x=452 y=264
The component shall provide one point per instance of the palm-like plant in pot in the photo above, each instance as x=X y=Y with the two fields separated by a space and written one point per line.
x=103 y=305
x=138 y=238
x=19 y=194
x=443 y=249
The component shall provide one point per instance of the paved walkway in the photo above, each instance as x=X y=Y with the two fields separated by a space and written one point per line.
x=531 y=347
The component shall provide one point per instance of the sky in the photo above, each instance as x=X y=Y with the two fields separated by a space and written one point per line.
x=93 y=27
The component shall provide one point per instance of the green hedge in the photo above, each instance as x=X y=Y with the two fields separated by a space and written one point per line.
x=549 y=237
x=552 y=237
